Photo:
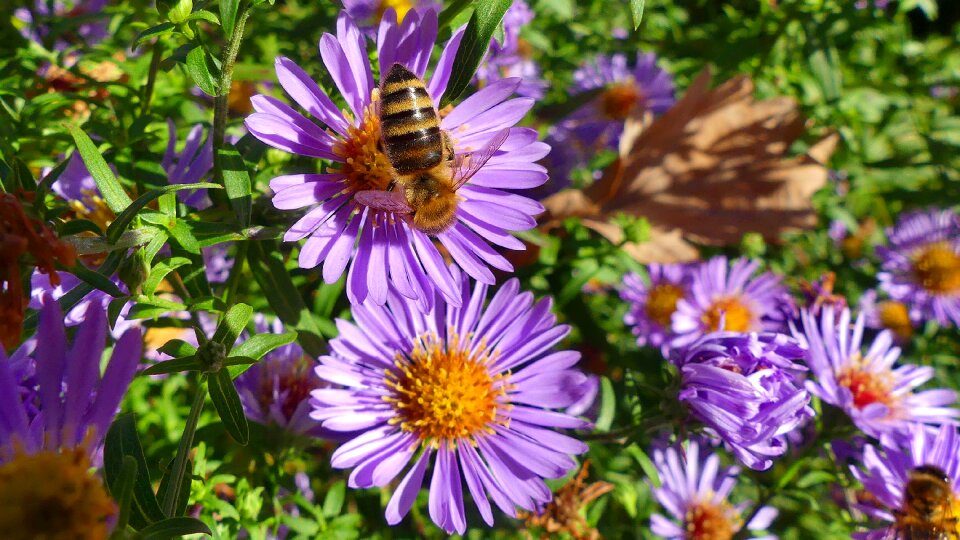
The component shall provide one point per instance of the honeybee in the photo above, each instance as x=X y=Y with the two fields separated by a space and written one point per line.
x=927 y=508
x=427 y=172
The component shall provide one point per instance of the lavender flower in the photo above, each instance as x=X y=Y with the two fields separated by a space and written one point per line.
x=653 y=304
x=886 y=471
x=729 y=297
x=368 y=14
x=921 y=266
x=744 y=388
x=191 y=165
x=512 y=57
x=888 y=314
x=473 y=390
x=879 y=398
x=41 y=289
x=276 y=389
x=90 y=32
x=384 y=248
x=695 y=490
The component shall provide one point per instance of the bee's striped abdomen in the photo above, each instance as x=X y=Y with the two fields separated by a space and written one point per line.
x=411 y=129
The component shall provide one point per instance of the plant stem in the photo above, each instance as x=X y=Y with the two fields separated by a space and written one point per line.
x=234 y=280
x=170 y=498
x=220 y=107
x=151 y=77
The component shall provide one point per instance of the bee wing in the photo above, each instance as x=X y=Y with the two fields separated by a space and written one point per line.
x=465 y=166
x=388 y=201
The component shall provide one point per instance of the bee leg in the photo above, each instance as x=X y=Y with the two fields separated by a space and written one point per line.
x=448 y=150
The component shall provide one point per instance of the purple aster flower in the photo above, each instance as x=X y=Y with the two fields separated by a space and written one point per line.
x=191 y=165
x=921 y=265
x=888 y=314
x=838 y=232
x=41 y=289
x=384 y=247
x=92 y=30
x=653 y=302
x=729 y=297
x=217 y=262
x=276 y=389
x=512 y=57
x=476 y=391
x=368 y=14
x=878 y=4
x=695 y=490
x=744 y=389
x=878 y=397
x=888 y=474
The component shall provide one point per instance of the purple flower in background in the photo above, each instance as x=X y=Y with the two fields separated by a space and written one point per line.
x=654 y=301
x=921 y=265
x=695 y=490
x=512 y=57
x=886 y=472
x=89 y=28
x=368 y=14
x=888 y=314
x=476 y=391
x=191 y=165
x=744 y=388
x=878 y=4
x=276 y=390
x=879 y=398
x=217 y=262
x=42 y=289
x=384 y=248
x=727 y=296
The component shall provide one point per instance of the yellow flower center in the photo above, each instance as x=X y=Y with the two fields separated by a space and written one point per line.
x=364 y=163
x=735 y=316
x=662 y=302
x=867 y=387
x=895 y=317
x=400 y=6
x=53 y=496
x=937 y=268
x=100 y=213
x=619 y=100
x=444 y=392
x=706 y=521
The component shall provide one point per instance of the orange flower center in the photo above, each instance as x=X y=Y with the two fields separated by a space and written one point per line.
x=705 y=521
x=444 y=392
x=937 y=268
x=662 y=302
x=728 y=314
x=100 y=213
x=400 y=6
x=54 y=495
x=620 y=99
x=866 y=387
x=895 y=317
x=365 y=165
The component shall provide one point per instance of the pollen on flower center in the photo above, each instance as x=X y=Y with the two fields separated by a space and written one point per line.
x=400 y=6
x=443 y=392
x=867 y=387
x=731 y=313
x=619 y=100
x=662 y=302
x=100 y=213
x=53 y=495
x=364 y=163
x=937 y=268
x=705 y=521
x=895 y=317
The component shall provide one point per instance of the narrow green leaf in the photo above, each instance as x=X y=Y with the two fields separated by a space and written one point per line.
x=237 y=365
x=199 y=70
x=608 y=405
x=333 y=502
x=122 y=491
x=228 y=14
x=97 y=280
x=450 y=12
x=227 y=402
x=187 y=363
x=636 y=10
x=117 y=199
x=121 y=441
x=183 y=498
x=154 y=308
x=152 y=32
x=77 y=226
x=160 y=271
x=645 y=463
x=174 y=527
x=180 y=232
x=233 y=323
x=177 y=348
x=125 y=217
x=236 y=180
x=476 y=40
x=204 y=15
x=261 y=344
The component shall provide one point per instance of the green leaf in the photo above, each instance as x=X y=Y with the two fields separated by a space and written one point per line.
x=173 y=528
x=199 y=70
x=333 y=502
x=125 y=217
x=476 y=40
x=154 y=308
x=645 y=463
x=122 y=490
x=177 y=348
x=228 y=14
x=122 y=441
x=183 y=497
x=608 y=405
x=233 y=323
x=204 y=15
x=152 y=32
x=236 y=180
x=187 y=363
x=97 y=280
x=261 y=344
x=159 y=272
x=180 y=231
x=227 y=402
x=636 y=11
x=117 y=199
x=450 y=12
x=77 y=226
x=824 y=65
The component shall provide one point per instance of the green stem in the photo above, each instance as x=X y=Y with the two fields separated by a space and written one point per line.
x=171 y=497
x=151 y=77
x=220 y=107
x=234 y=281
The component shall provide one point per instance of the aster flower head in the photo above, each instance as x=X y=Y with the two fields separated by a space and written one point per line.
x=888 y=471
x=879 y=398
x=474 y=391
x=512 y=57
x=696 y=490
x=921 y=264
x=744 y=389
x=728 y=296
x=653 y=302
x=191 y=165
x=384 y=247
x=89 y=31
x=369 y=13
x=886 y=314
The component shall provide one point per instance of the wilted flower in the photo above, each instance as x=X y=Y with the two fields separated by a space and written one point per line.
x=744 y=388
x=653 y=304
x=87 y=30
x=921 y=265
x=695 y=490
x=473 y=390
x=384 y=248
x=731 y=298
x=819 y=295
x=512 y=57
x=564 y=514
x=879 y=398
x=886 y=473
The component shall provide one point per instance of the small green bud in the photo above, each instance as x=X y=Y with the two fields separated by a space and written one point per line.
x=180 y=11
x=211 y=356
x=753 y=245
x=134 y=270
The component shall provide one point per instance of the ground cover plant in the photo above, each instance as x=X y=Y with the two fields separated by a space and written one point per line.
x=481 y=268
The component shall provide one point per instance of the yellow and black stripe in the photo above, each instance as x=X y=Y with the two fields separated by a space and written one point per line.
x=411 y=128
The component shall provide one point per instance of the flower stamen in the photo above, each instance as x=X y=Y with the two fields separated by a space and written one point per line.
x=619 y=100
x=365 y=165
x=706 y=521
x=728 y=314
x=937 y=268
x=662 y=302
